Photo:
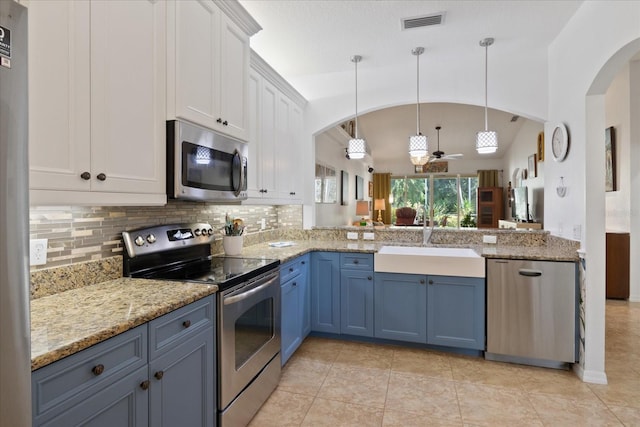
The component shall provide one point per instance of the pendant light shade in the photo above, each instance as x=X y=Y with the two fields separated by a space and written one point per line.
x=357 y=146
x=486 y=141
x=418 y=143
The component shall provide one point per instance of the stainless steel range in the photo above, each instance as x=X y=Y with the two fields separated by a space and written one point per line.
x=248 y=308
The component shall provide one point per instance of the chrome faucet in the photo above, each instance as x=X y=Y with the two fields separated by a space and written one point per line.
x=426 y=234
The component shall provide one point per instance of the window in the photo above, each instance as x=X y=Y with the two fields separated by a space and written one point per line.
x=454 y=198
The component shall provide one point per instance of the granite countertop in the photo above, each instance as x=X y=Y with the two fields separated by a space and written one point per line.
x=70 y=321
x=300 y=247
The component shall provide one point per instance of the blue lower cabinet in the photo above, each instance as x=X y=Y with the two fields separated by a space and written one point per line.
x=325 y=292
x=400 y=307
x=290 y=326
x=456 y=312
x=123 y=403
x=356 y=302
x=181 y=390
x=295 y=305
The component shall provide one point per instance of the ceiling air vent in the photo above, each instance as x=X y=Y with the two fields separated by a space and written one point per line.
x=423 y=21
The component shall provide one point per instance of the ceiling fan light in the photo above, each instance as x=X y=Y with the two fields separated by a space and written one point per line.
x=418 y=146
x=357 y=148
x=419 y=160
x=486 y=142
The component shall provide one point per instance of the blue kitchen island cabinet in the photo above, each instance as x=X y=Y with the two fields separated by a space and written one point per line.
x=401 y=307
x=295 y=304
x=456 y=312
x=325 y=292
x=356 y=294
x=159 y=373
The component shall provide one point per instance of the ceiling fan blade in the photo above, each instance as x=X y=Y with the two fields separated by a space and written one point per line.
x=453 y=156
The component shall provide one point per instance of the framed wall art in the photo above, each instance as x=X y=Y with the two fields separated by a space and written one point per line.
x=344 y=188
x=359 y=188
x=540 y=152
x=610 y=183
x=533 y=166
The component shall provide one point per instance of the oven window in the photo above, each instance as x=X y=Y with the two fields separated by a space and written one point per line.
x=253 y=330
x=206 y=168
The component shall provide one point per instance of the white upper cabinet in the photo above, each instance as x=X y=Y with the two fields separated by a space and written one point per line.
x=275 y=139
x=97 y=102
x=208 y=65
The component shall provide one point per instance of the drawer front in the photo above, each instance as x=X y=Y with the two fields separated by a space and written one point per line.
x=69 y=380
x=294 y=268
x=355 y=261
x=174 y=328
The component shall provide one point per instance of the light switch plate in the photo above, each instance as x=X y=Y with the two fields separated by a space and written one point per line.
x=368 y=236
x=352 y=235
x=38 y=251
x=489 y=239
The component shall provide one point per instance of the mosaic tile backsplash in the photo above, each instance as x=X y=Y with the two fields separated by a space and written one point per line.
x=77 y=234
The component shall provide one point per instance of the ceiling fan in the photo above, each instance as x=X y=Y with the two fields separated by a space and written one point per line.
x=438 y=156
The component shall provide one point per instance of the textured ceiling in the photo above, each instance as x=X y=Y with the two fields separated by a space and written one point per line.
x=309 y=42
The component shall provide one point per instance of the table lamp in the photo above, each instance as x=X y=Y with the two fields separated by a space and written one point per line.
x=362 y=209
x=380 y=206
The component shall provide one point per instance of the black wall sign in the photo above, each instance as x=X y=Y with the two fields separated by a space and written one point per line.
x=5 y=42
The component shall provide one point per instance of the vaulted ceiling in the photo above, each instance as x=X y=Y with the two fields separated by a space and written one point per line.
x=310 y=43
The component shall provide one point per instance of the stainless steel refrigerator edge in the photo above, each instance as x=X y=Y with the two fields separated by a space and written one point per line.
x=15 y=358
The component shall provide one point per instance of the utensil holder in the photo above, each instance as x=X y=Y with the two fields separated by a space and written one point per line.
x=232 y=244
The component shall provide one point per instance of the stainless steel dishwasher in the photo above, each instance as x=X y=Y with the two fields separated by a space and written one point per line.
x=531 y=312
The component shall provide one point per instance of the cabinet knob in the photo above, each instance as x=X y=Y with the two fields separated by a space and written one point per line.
x=293 y=193
x=294 y=284
x=422 y=281
x=85 y=175
x=266 y=191
x=355 y=261
x=369 y=278
x=186 y=323
x=159 y=375
x=430 y=282
x=218 y=120
x=290 y=269
x=225 y=123
x=302 y=262
x=101 y=177
x=144 y=385
x=98 y=369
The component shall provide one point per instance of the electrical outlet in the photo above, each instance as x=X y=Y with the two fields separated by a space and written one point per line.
x=263 y=224
x=38 y=251
x=368 y=236
x=489 y=239
x=577 y=232
x=352 y=235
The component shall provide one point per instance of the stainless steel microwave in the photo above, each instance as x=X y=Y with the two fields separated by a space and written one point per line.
x=203 y=165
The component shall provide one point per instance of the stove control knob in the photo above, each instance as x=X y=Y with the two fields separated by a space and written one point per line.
x=151 y=238
x=210 y=231
x=196 y=231
x=139 y=241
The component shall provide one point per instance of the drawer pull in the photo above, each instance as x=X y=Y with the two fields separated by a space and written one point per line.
x=144 y=385
x=302 y=263
x=159 y=375
x=98 y=369
x=186 y=323
x=355 y=261
x=529 y=273
x=290 y=269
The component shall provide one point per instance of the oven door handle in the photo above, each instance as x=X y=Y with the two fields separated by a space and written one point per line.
x=244 y=295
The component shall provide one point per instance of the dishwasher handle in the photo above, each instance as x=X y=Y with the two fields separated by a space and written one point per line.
x=529 y=272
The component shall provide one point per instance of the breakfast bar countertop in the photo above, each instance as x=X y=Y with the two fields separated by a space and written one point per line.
x=65 y=323
x=300 y=247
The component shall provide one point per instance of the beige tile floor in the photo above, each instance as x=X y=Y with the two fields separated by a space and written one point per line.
x=338 y=383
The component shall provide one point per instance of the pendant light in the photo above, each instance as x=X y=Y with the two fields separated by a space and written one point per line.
x=418 y=143
x=357 y=146
x=487 y=140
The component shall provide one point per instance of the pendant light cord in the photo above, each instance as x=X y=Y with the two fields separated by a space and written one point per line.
x=418 y=94
x=356 y=59
x=486 y=73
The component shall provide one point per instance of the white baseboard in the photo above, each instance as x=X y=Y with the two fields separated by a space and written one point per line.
x=594 y=377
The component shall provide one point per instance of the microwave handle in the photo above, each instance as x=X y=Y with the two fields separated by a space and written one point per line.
x=238 y=189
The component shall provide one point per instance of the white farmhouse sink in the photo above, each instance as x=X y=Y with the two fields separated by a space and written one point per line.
x=439 y=261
